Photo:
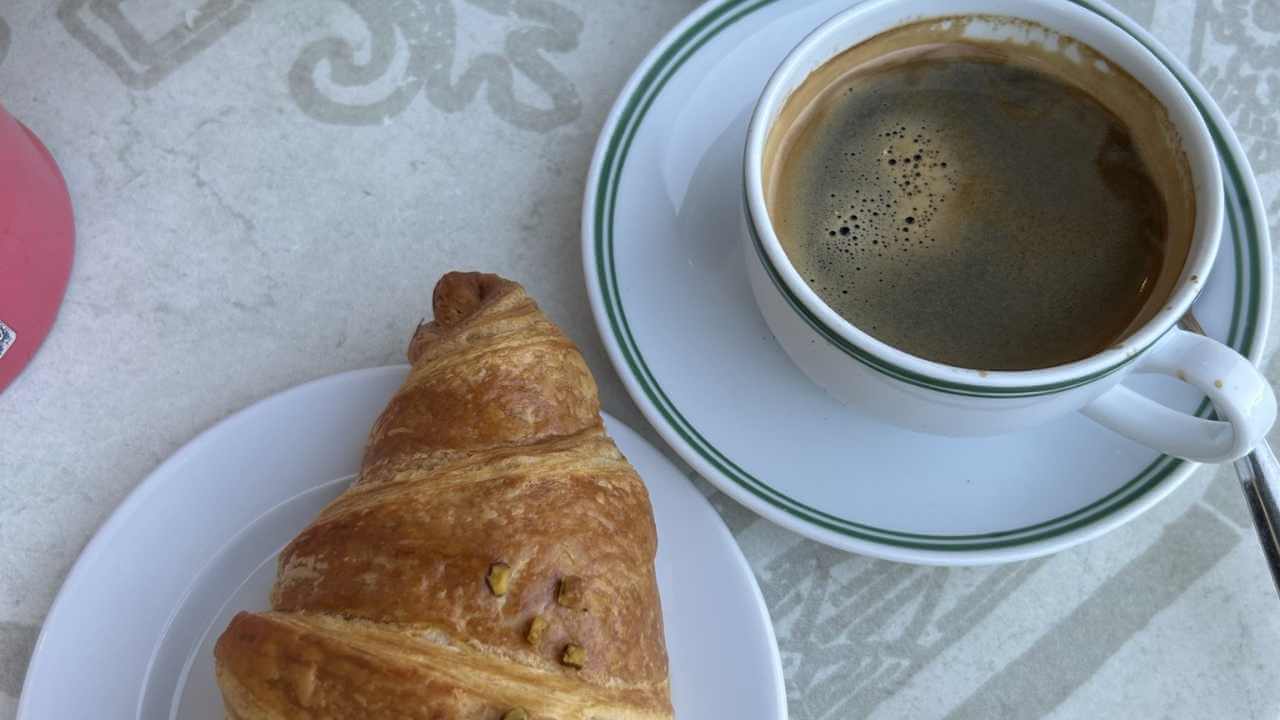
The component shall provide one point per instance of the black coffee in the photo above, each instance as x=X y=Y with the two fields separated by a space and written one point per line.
x=970 y=209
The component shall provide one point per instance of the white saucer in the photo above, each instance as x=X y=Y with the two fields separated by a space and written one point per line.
x=131 y=633
x=670 y=296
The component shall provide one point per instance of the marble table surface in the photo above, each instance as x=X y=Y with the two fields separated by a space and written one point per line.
x=243 y=228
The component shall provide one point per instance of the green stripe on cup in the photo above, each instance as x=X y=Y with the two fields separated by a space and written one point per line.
x=1242 y=334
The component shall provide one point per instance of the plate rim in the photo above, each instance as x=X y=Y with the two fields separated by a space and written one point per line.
x=124 y=512
x=1249 y=231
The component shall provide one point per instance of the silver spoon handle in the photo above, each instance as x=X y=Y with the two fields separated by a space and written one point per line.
x=1260 y=479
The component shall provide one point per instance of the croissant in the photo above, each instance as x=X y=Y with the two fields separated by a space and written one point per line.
x=493 y=560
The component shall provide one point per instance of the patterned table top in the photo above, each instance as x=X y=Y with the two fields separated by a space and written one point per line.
x=246 y=223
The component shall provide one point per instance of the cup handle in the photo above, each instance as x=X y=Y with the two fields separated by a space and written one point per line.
x=1237 y=389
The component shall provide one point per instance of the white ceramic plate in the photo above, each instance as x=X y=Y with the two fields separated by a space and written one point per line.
x=669 y=291
x=131 y=633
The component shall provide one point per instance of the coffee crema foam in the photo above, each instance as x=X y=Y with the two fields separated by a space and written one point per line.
x=964 y=203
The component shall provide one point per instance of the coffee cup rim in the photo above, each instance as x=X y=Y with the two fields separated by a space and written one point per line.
x=1061 y=16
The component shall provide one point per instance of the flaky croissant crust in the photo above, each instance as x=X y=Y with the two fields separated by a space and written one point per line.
x=495 y=540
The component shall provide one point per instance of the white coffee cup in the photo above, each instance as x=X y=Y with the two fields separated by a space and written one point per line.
x=923 y=395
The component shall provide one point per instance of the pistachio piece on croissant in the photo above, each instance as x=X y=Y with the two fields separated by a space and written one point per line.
x=499 y=578
x=575 y=656
x=572 y=593
x=537 y=627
